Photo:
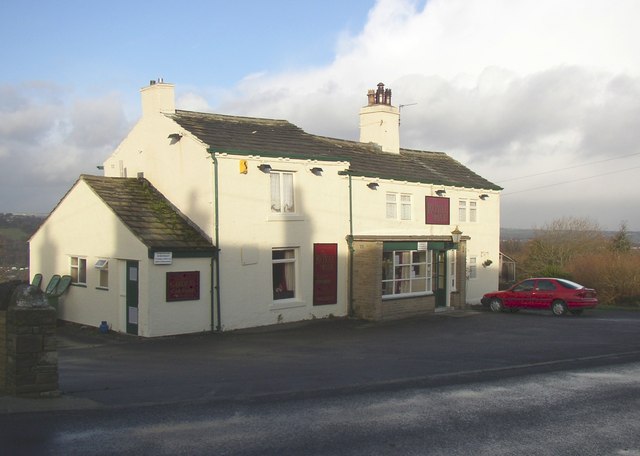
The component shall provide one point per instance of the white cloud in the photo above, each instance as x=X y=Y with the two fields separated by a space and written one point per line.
x=509 y=87
x=191 y=101
x=45 y=143
x=506 y=86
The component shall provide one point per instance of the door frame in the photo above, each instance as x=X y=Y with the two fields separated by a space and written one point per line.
x=440 y=278
x=132 y=287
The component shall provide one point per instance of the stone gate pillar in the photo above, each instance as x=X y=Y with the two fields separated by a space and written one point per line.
x=31 y=362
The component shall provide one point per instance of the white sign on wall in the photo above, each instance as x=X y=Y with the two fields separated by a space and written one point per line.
x=162 y=258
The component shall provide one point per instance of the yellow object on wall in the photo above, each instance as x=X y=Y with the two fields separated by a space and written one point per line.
x=243 y=167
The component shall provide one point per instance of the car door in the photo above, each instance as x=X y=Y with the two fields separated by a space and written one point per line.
x=520 y=295
x=543 y=293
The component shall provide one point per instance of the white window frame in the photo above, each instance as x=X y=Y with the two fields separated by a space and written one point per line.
x=392 y=205
x=293 y=261
x=279 y=207
x=403 y=261
x=453 y=283
x=102 y=265
x=462 y=211
x=473 y=211
x=467 y=211
x=399 y=206
x=405 y=206
x=78 y=270
x=473 y=267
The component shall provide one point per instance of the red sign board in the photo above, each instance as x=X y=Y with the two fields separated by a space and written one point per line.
x=183 y=286
x=325 y=274
x=437 y=210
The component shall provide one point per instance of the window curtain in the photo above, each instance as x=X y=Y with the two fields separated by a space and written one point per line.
x=462 y=211
x=392 y=208
x=287 y=192
x=275 y=192
x=289 y=271
x=405 y=201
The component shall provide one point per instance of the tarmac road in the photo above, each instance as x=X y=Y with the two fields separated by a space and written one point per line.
x=458 y=384
x=329 y=357
x=588 y=412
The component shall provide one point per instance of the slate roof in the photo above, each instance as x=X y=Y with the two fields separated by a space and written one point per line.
x=270 y=137
x=149 y=215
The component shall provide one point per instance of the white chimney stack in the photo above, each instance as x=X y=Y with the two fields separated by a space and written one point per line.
x=379 y=121
x=158 y=97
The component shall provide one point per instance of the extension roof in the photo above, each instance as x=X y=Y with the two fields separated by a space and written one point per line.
x=150 y=216
x=269 y=137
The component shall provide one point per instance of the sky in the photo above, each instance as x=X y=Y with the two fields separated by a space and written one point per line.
x=540 y=97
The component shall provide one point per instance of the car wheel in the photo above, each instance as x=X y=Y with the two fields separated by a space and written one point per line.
x=558 y=308
x=496 y=305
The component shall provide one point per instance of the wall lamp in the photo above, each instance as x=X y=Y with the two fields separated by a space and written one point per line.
x=373 y=185
x=174 y=137
x=484 y=196
x=316 y=170
x=441 y=192
x=456 y=235
x=264 y=167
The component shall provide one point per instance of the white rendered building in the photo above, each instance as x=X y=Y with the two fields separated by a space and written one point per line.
x=290 y=226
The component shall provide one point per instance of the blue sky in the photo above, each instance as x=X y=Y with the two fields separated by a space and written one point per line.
x=126 y=42
x=540 y=97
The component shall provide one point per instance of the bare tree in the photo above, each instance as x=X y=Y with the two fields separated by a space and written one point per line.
x=620 y=242
x=560 y=241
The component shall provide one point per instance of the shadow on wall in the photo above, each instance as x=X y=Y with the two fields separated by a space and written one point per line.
x=277 y=257
x=47 y=258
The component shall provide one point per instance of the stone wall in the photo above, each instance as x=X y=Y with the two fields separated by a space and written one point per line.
x=408 y=307
x=3 y=350
x=367 y=280
x=29 y=364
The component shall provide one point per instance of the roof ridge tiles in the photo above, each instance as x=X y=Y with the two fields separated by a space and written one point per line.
x=260 y=136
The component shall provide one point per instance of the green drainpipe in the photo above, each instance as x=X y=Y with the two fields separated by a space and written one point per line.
x=215 y=262
x=350 y=242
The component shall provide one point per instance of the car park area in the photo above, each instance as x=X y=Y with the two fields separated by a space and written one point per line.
x=340 y=355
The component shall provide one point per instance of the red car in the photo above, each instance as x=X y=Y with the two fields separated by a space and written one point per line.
x=559 y=295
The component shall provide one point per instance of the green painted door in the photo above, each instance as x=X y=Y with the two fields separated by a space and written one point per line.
x=132 y=297
x=440 y=288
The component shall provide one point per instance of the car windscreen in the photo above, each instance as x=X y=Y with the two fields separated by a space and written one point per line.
x=569 y=284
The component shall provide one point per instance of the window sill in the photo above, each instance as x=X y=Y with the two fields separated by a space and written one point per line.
x=284 y=218
x=102 y=288
x=406 y=296
x=80 y=285
x=286 y=304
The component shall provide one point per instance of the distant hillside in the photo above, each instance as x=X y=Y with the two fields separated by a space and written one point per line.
x=15 y=230
x=517 y=234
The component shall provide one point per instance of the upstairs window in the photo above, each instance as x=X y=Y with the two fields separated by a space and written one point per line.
x=462 y=211
x=405 y=207
x=398 y=206
x=392 y=205
x=467 y=211
x=282 y=200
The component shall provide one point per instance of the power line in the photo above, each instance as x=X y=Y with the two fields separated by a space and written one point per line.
x=569 y=167
x=570 y=181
